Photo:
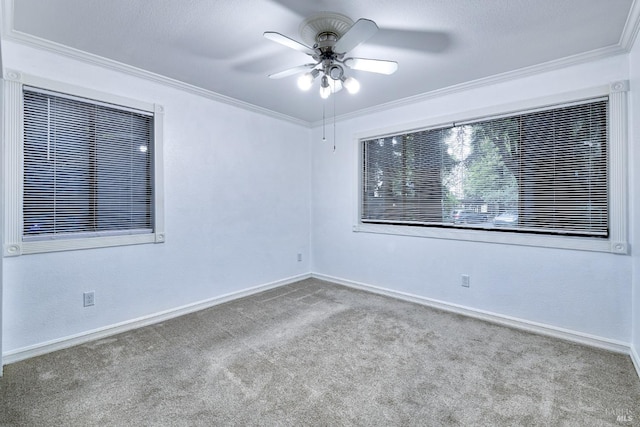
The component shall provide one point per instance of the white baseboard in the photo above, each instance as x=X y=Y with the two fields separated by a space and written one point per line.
x=635 y=358
x=70 y=341
x=522 y=324
x=539 y=328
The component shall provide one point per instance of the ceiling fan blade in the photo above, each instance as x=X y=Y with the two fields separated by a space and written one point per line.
x=286 y=41
x=291 y=71
x=372 y=65
x=359 y=32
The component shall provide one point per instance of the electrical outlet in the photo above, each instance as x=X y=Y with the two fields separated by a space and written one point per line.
x=466 y=280
x=299 y=257
x=89 y=298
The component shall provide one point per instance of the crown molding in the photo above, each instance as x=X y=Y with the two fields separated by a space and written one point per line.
x=625 y=44
x=631 y=27
x=10 y=34
x=627 y=39
x=487 y=81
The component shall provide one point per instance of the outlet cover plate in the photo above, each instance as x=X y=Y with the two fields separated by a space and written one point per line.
x=466 y=280
x=89 y=298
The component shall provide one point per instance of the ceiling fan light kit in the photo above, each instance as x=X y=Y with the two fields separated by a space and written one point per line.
x=351 y=84
x=305 y=81
x=332 y=35
x=325 y=90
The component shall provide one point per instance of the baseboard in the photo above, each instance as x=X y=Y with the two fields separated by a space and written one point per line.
x=539 y=328
x=522 y=324
x=70 y=341
x=635 y=359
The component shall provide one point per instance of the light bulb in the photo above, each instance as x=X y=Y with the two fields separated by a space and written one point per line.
x=325 y=91
x=351 y=84
x=305 y=81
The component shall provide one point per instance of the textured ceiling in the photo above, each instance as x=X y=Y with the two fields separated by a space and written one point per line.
x=218 y=45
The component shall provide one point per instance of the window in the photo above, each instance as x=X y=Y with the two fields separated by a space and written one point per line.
x=543 y=172
x=87 y=168
x=88 y=171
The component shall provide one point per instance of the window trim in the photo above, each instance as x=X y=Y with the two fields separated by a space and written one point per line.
x=14 y=245
x=617 y=242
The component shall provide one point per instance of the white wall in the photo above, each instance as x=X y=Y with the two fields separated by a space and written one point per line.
x=584 y=292
x=225 y=234
x=237 y=213
x=1 y=198
x=634 y=61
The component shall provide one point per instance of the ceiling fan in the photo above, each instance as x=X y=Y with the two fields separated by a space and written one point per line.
x=332 y=36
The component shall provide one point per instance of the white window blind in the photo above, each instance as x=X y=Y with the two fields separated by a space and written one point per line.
x=87 y=168
x=542 y=171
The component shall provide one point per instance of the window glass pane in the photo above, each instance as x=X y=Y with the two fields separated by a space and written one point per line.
x=87 y=167
x=537 y=172
x=39 y=167
x=123 y=178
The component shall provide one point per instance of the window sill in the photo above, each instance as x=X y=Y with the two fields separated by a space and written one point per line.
x=505 y=238
x=43 y=246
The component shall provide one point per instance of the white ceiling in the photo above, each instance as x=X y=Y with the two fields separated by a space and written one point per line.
x=218 y=45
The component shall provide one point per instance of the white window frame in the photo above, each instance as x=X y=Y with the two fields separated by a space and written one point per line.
x=13 y=244
x=617 y=242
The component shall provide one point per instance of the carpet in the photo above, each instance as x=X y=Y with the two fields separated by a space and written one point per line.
x=316 y=353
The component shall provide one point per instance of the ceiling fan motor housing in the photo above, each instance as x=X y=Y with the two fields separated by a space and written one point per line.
x=324 y=46
x=325 y=40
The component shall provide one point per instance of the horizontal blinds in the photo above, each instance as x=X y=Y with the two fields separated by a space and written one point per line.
x=564 y=184
x=87 y=168
x=541 y=171
x=403 y=179
x=60 y=95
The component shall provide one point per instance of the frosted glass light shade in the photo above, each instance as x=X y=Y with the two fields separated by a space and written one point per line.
x=305 y=81
x=352 y=85
x=325 y=91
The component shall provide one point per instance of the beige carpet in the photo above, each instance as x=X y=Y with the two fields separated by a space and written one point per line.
x=314 y=353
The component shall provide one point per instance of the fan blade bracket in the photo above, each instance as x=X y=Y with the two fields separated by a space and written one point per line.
x=289 y=42
x=359 y=33
x=379 y=66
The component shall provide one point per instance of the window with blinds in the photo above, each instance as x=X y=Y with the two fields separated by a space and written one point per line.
x=542 y=171
x=87 y=168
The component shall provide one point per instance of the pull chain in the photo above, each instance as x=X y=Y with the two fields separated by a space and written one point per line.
x=324 y=137
x=334 y=123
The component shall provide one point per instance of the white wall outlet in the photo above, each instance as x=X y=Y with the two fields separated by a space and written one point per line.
x=466 y=280
x=89 y=298
x=299 y=257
